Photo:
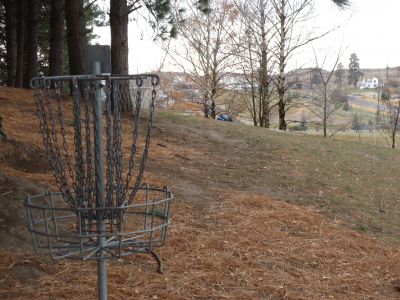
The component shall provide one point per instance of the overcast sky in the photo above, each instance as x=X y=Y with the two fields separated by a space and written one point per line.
x=369 y=28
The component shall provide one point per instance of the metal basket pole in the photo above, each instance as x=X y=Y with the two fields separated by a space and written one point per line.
x=101 y=264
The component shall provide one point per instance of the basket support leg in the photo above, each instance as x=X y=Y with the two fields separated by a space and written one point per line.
x=159 y=262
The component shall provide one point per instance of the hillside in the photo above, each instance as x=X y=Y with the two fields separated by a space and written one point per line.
x=258 y=214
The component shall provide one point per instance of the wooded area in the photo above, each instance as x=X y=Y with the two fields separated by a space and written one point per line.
x=33 y=39
x=51 y=36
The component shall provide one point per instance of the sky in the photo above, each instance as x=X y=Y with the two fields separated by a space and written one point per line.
x=369 y=28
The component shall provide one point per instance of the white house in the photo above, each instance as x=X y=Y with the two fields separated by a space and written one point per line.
x=369 y=83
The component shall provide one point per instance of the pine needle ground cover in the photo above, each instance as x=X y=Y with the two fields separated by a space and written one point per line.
x=258 y=214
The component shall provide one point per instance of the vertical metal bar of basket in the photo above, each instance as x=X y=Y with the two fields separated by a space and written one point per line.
x=54 y=216
x=32 y=224
x=101 y=264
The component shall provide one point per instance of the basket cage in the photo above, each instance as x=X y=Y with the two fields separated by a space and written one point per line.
x=65 y=232
x=98 y=155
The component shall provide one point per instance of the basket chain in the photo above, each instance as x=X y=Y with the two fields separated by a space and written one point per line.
x=76 y=174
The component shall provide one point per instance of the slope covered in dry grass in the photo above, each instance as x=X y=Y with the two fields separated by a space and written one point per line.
x=234 y=234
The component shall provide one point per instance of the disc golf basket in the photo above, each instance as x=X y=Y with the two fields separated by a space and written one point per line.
x=98 y=154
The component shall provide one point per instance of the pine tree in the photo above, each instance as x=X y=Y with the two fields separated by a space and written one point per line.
x=75 y=19
x=51 y=51
x=355 y=123
x=339 y=74
x=31 y=63
x=10 y=33
x=303 y=122
x=341 y=3
x=354 y=70
x=56 y=38
x=21 y=17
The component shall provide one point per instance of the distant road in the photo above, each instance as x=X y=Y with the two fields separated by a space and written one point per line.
x=364 y=103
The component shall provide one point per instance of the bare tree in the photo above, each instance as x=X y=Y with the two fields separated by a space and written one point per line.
x=325 y=102
x=254 y=43
x=389 y=118
x=158 y=14
x=206 y=48
x=288 y=16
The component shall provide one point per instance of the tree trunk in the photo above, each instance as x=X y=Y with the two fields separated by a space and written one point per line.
x=213 y=112
x=206 y=108
x=396 y=122
x=266 y=114
x=325 y=110
x=31 y=42
x=282 y=112
x=253 y=101
x=282 y=63
x=75 y=19
x=213 y=105
x=3 y=136
x=214 y=87
x=253 y=109
x=21 y=11
x=11 y=41
x=119 y=45
x=263 y=72
x=119 y=36
x=56 y=38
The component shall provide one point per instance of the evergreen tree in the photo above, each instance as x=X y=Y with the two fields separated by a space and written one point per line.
x=354 y=70
x=303 y=122
x=31 y=63
x=339 y=75
x=385 y=94
x=75 y=19
x=8 y=46
x=51 y=53
x=56 y=34
x=346 y=105
x=341 y=3
x=315 y=77
x=355 y=123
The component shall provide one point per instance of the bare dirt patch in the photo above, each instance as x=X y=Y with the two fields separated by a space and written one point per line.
x=25 y=157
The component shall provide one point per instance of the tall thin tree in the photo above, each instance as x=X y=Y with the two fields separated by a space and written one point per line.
x=255 y=43
x=56 y=37
x=21 y=12
x=75 y=19
x=11 y=41
x=119 y=36
x=31 y=42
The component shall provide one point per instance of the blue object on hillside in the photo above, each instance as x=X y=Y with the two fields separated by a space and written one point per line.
x=223 y=117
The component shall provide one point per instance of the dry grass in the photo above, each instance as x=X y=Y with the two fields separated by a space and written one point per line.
x=229 y=240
